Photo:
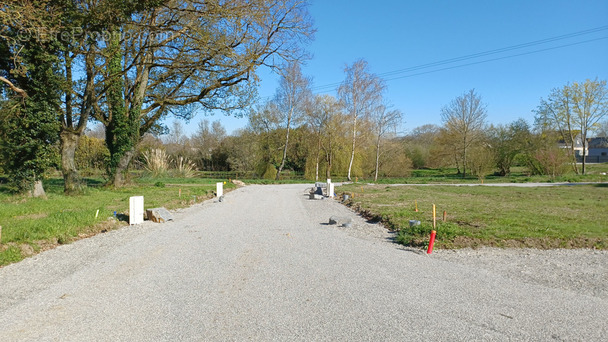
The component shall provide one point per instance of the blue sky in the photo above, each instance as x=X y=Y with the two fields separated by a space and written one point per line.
x=396 y=35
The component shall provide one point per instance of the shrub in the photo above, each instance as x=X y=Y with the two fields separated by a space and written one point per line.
x=156 y=162
x=553 y=161
x=91 y=154
x=270 y=172
x=184 y=168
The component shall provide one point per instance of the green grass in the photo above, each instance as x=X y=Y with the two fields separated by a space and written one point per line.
x=547 y=217
x=518 y=175
x=37 y=223
x=566 y=216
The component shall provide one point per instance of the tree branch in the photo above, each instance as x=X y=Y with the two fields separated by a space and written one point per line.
x=14 y=88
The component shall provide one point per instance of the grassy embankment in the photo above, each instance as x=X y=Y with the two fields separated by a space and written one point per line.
x=30 y=225
x=543 y=217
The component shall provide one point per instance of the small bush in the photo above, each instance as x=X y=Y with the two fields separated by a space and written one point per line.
x=270 y=172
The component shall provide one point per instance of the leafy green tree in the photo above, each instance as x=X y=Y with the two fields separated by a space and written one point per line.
x=189 y=55
x=418 y=144
x=507 y=142
x=573 y=111
x=30 y=84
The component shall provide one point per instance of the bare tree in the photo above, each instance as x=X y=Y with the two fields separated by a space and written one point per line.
x=384 y=121
x=321 y=111
x=464 y=118
x=293 y=91
x=360 y=93
x=601 y=129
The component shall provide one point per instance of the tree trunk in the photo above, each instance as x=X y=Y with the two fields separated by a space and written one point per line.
x=284 y=155
x=285 y=148
x=318 y=157
x=328 y=159
x=584 y=150
x=121 y=169
x=71 y=178
x=317 y=168
x=464 y=159
x=352 y=155
x=377 y=159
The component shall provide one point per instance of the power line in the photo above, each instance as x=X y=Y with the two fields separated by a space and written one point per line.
x=496 y=59
x=495 y=51
x=386 y=75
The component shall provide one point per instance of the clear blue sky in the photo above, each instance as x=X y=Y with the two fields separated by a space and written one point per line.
x=397 y=35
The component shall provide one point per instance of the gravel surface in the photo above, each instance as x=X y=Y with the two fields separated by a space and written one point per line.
x=265 y=265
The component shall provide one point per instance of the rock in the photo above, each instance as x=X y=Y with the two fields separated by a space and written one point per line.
x=221 y=198
x=414 y=223
x=320 y=185
x=319 y=191
x=237 y=182
x=316 y=197
x=344 y=221
x=38 y=190
x=159 y=215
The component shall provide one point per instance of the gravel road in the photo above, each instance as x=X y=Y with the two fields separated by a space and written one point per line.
x=263 y=265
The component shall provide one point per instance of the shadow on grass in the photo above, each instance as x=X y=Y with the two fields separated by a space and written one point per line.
x=90 y=182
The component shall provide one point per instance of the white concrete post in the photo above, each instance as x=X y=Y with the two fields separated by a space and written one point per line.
x=330 y=190
x=136 y=210
x=220 y=189
x=328 y=181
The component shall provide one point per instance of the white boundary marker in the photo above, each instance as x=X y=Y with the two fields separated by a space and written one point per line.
x=136 y=210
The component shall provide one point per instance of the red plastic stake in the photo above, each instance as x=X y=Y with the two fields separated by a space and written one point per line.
x=431 y=242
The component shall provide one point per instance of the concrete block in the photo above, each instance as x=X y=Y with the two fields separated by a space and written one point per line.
x=159 y=215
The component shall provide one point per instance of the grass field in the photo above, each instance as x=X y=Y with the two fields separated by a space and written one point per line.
x=518 y=175
x=555 y=217
x=542 y=217
x=32 y=224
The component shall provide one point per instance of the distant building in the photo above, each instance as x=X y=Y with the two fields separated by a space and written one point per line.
x=597 y=150
x=579 y=150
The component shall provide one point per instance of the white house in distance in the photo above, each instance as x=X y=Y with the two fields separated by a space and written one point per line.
x=596 y=150
x=579 y=151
